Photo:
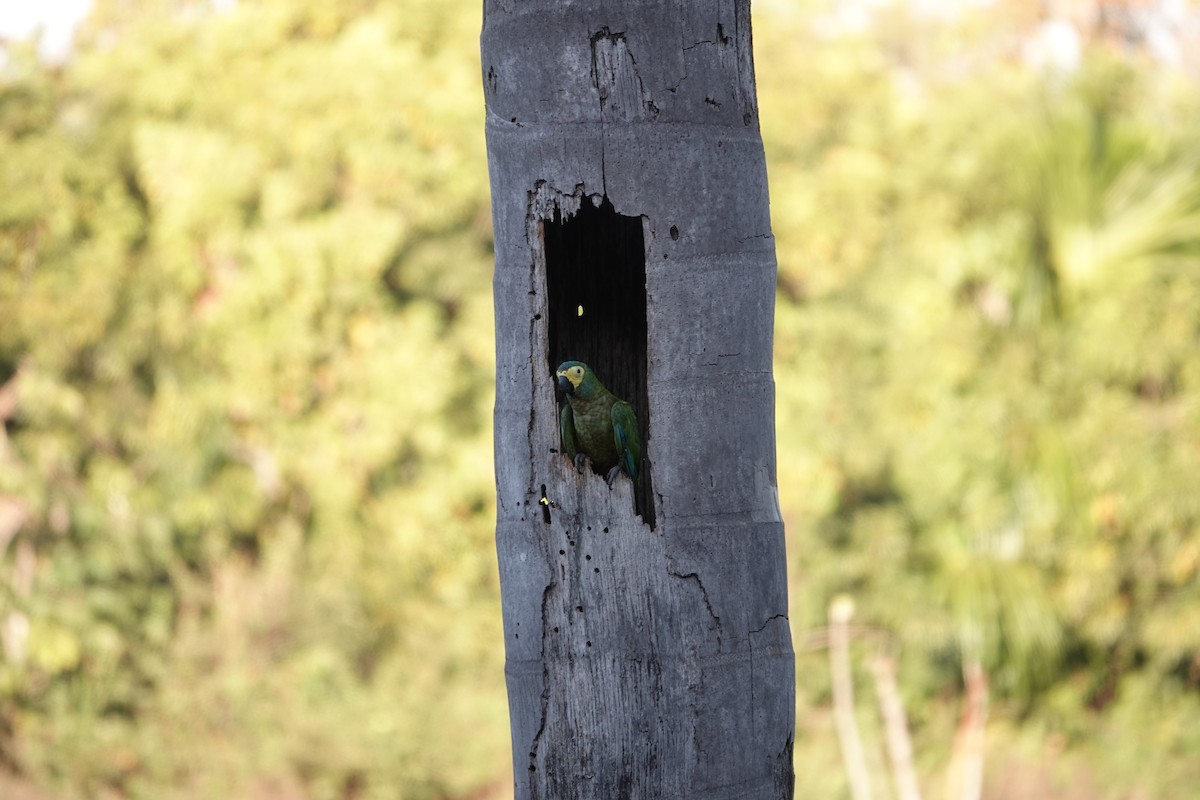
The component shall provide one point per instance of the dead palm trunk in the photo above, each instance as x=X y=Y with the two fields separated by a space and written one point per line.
x=648 y=650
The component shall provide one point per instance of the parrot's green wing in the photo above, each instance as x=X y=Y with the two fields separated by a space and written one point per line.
x=625 y=433
x=566 y=429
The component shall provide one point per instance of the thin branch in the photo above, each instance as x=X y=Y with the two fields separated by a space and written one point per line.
x=969 y=744
x=840 y=612
x=895 y=726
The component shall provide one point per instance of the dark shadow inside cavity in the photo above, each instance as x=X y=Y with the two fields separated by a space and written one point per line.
x=596 y=261
x=545 y=504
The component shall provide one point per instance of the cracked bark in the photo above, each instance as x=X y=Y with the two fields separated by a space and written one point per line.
x=664 y=664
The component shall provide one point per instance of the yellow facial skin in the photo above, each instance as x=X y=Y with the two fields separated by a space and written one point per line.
x=574 y=375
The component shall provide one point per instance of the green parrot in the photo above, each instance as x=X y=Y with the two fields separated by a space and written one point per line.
x=596 y=424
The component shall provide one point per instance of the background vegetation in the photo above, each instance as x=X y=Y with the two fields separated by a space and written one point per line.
x=246 y=493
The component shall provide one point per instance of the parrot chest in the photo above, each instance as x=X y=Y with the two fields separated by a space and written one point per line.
x=594 y=432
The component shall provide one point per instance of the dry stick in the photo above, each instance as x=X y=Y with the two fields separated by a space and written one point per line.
x=971 y=729
x=895 y=726
x=840 y=612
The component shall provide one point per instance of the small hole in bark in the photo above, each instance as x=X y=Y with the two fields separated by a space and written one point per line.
x=545 y=506
x=674 y=234
x=579 y=609
x=536 y=317
x=562 y=552
x=589 y=644
x=556 y=629
x=606 y=530
x=587 y=558
x=596 y=570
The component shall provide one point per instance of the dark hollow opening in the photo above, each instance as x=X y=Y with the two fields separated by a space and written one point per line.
x=596 y=290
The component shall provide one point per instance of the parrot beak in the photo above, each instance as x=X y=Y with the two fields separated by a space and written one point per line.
x=564 y=386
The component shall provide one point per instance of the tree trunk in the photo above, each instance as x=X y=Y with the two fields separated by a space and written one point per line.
x=648 y=649
x=966 y=768
x=895 y=727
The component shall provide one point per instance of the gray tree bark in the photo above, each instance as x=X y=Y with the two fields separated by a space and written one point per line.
x=646 y=631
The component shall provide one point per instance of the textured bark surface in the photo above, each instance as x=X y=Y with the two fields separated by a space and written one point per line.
x=641 y=662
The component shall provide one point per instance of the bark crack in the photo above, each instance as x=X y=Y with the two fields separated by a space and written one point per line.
x=753 y=701
x=545 y=700
x=603 y=159
x=692 y=576
x=770 y=619
x=615 y=76
x=532 y=234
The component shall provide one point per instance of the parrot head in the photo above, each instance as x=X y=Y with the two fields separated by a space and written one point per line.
x=576 y=378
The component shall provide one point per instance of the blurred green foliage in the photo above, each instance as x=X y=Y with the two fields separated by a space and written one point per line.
x=989 y=381
x=246 y=372
x=246 y=313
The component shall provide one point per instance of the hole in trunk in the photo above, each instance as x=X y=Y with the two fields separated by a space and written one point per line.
x=545 y=504
x=596 y=263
